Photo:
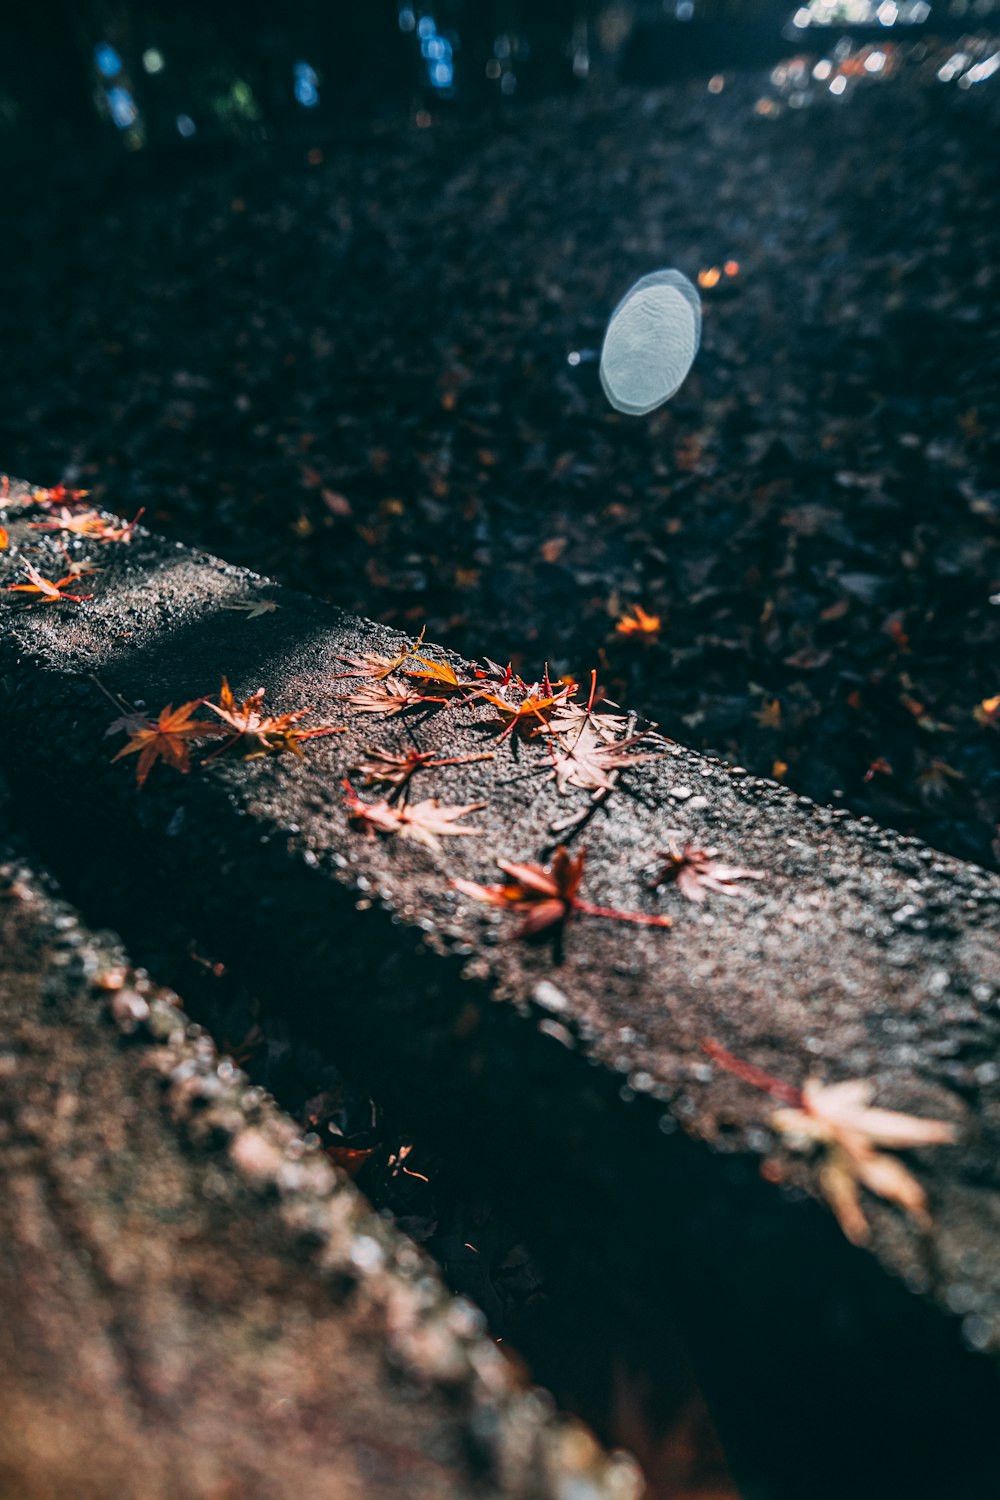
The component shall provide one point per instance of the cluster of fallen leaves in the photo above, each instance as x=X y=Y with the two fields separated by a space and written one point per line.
x=851 y=1137
x=69 y=517
x=242 y=727
x=585 y=748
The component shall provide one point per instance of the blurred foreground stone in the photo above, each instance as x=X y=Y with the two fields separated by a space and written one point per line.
x=193 y=1305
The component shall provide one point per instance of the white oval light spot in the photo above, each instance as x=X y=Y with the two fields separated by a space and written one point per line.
x=651 y=342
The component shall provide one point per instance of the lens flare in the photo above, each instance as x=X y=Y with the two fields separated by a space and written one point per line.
x=651 y=343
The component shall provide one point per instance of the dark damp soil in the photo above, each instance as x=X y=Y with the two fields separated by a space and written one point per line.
x=368 y=367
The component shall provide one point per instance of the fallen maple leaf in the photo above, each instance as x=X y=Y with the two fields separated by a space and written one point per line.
x=938 y=780
x=47 y=591
x=4 y=539
x=59 y=494
x=67 y=520
x=388 y=768
x=584 y=758
x=120 y=531
x=387 y=698
x=987 y=713
x=166 y=738
x=378 y=667
x=638 y=623
x=90 y=524
x=769 y=715
x=265 y=734
x=533 y=708
x=838 y=1118
x=437 y=672
x=253 y=608
x=423 y=822
x=548 y=897
x=572 y=717
x=696 y=871
x=569 y=717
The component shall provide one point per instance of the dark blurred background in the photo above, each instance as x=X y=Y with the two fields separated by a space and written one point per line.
x=150 y=71
x=322 y=287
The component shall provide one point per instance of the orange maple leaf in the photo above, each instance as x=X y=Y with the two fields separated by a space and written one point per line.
x=639 y=622
x=533 y=709
x=59 y=494
x=437 y=672
x=90 y=524
x=987 y=713
x=166 y=738
x=49 y=592
x=265 y=734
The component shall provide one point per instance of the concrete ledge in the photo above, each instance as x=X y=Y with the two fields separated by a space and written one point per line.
x=860 y=954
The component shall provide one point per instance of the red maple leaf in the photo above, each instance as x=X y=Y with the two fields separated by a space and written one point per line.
x=531 y=708
x=59 y=494
x=695 y=871
x=389 y=768
x=423 y=822
x=549 y=897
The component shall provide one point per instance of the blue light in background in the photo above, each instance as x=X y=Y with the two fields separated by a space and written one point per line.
x=438 y=53
x=306 y=84
x=122 y=107
x=107 y=61
x=186 y=126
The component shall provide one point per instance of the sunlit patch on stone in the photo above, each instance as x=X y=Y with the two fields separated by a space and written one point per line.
x=651 y=342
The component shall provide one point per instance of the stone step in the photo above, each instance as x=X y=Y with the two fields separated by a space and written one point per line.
x=576 y=1070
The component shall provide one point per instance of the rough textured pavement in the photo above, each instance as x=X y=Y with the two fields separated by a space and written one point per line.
x=860 y=954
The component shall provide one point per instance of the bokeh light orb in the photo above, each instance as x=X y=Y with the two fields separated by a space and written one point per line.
x=651 y=342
